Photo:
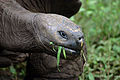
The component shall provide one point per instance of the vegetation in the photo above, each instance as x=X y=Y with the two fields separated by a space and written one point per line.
x=100 y=21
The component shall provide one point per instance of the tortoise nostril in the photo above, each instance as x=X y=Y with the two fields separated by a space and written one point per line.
x=80 y=41
x=80 y=38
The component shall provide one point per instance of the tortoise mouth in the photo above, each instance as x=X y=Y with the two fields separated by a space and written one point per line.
x=70 y=53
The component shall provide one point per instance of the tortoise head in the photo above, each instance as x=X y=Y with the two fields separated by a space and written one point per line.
x=61 y=32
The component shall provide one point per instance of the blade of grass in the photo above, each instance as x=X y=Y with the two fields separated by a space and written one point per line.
x=64 y=53
x=84 y=56
x=51 y=43
x=58 y=55
x=54 y=49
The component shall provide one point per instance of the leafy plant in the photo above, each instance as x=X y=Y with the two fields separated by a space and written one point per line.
x=13 y=71
x=100 y=23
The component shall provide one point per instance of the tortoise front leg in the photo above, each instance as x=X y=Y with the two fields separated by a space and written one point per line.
x=5 y=62
x=8 y=57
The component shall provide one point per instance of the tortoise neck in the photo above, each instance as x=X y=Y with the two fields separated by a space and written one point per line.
x=16 y=28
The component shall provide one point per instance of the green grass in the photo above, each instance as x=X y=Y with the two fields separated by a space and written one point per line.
x=100 y=21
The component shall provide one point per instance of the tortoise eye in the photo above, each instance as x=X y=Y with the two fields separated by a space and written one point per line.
x=63 y=34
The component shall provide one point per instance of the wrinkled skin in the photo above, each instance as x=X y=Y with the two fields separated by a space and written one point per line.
x=25 y=31
x=43 y=67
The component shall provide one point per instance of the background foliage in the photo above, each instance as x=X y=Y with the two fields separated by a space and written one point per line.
x=100 y=21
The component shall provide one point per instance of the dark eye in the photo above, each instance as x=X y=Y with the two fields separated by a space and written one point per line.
x=63 y=34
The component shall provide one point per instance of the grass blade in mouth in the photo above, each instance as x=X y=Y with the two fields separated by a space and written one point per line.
x=64 y=53
x=58 y=55
x=51 y=43
x=84 y=57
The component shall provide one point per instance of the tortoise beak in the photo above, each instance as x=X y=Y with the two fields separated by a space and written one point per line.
x=81 y=42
